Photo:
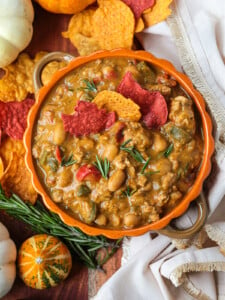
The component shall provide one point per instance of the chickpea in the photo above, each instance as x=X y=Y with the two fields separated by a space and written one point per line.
x=59 y=133
x=65 y=178
x=116 y=180
x=115 y=220
x=131 y=220
x=133 y=70
x=57 y=196
x=159 y=143
x=163 y=165
x=110 y=152
x=101 y=220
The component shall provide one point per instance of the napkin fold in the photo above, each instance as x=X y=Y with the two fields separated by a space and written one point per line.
x=156 y=267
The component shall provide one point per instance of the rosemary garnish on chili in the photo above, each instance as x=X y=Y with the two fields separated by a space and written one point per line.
x=129 y=192
x=68 y=162
x=89 y=86
x=103 y=166
x=168 y=150
x=132 y=151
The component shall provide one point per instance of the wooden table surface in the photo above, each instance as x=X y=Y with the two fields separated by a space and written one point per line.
x=81 y=283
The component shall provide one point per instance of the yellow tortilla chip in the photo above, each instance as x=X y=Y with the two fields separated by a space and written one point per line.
x=16 y=177
x=139 y=25
x=159 y=12
x=17 y=80
x=80 y=32
x=113 y=25
x=112 y=101
x=80 y=23
x=85 y=45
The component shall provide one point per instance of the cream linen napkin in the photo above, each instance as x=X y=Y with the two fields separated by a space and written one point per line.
x=193 y=39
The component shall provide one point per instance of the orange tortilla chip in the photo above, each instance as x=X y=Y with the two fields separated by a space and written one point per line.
x=16 y=177
x=17 y=81
x=113 y=25
x=159 y=12
x=112 y=101
x=139 y=25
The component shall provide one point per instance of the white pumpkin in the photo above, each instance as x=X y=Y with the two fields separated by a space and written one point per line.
x=7 y=261
x=16 y=30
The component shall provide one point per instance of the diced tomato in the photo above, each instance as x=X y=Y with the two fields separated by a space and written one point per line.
x=109 y=73
x=58 y=154
x=88 y=170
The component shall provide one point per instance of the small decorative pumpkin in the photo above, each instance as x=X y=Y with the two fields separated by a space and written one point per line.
x=7 y=261
x=43 y=261
x=16 y=17
x=65 y=6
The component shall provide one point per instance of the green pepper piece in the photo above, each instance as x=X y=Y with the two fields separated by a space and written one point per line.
x=148 y=74
x=53 y=164
x=43 y=157
x=83 y=190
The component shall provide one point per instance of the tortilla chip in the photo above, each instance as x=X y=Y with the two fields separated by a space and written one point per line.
x=85 y=45
x=17 y=80
x=13 y=117
x=80 y=31
x=87 y=119
x=153 y=105
x=80 y=23
x=112 y=101
x=50 y=69
x=140 y=25
x=113 y=25
x=139 y=6
x=159 y=12
x=16 y=177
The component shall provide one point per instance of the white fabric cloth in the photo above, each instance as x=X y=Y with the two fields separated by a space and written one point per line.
x=193 y=39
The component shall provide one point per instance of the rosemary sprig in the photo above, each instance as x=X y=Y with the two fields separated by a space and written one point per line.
x=103 y=166
x=68 y=162
x=132 y=151
x=129 y=192
x=43 y=221
x=168 y=150
x=89 y=86
x=145 y=165
x=151 y=172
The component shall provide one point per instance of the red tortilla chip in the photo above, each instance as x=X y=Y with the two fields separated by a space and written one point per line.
x=138 y=7
x=13 y=117
x=88 y=119
x=153 y=104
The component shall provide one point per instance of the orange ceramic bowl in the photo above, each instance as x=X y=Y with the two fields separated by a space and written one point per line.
x=204 y=170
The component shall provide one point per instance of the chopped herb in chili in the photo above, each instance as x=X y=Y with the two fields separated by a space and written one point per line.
x=168 y=150
x=132 y=151
x=103 y=166
x=68 y=162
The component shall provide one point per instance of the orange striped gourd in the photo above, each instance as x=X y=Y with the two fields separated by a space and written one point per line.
x=43 y=261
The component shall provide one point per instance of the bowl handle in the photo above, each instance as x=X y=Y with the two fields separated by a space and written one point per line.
x=176 y=233
x=53 y=56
